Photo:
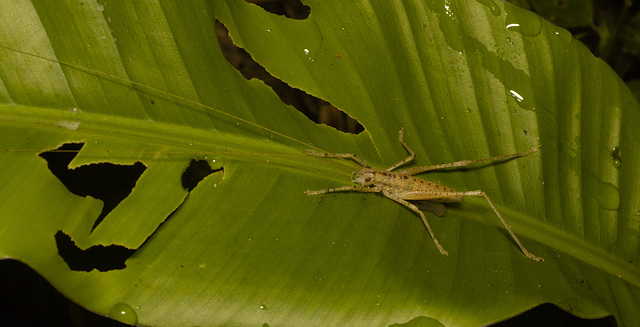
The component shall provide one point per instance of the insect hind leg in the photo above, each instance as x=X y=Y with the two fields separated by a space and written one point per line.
x=504 y=222
x=463 y=163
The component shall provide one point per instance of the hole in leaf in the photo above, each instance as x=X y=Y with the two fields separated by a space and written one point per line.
x=288 y=8
x=548 y=314
x=318 y=110
x=107 y=182
x=29 y=300
x=197 y=171
x=103 y=258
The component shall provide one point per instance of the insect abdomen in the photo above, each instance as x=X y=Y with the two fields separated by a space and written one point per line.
x=408 y=187
x=426 y=190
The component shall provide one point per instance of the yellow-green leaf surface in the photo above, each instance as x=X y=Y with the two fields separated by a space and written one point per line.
x=246 y=247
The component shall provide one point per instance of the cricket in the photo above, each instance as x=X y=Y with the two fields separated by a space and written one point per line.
x=402 y=187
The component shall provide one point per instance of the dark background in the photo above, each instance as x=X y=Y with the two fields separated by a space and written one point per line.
x=610 y=29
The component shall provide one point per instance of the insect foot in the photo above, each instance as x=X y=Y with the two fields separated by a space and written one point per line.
x=401 y=186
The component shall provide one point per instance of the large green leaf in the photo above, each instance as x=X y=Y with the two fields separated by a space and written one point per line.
x=465 y=79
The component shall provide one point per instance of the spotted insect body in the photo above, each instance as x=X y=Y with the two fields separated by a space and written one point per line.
x=405 y=186
x=402 y=187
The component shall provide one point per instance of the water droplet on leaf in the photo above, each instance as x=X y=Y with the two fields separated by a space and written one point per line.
x=495 y=10
x=123 y=313
x=522 y=21
x=615 y=156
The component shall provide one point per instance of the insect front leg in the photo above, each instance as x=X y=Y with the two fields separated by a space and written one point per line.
x=412 y=155
x=422 y=216
x=356 y=188
x=337 y=155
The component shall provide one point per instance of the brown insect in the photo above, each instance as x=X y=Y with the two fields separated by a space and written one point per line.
x=402 y=187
